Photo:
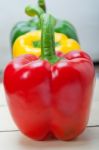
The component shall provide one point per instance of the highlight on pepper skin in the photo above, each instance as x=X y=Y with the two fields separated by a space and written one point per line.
x=30 y=44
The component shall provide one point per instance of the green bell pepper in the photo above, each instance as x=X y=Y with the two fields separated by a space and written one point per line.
x=23 y=27
x=26 y=26
x=62 y=26
x=65 y=27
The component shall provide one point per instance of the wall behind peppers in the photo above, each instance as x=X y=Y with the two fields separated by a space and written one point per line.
x=84 y=14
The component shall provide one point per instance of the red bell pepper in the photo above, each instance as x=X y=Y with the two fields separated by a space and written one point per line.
x=51 y=94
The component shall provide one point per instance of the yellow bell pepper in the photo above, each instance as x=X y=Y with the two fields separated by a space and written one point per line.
x=29 y=43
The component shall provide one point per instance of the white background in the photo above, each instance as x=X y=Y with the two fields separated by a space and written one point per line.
x=84 y=14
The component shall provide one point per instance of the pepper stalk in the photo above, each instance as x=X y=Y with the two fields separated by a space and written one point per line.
x=33 y=11
x=42 y=4
x=48 y=39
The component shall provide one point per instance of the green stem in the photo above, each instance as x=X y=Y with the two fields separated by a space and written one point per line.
x=48 y=39
x=42 y=4
x=33 y=11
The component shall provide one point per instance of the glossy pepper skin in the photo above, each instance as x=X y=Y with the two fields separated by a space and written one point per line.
x=23 y=27
x=26 y=44
x=51 y=94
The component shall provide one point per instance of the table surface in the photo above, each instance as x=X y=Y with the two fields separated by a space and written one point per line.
x=12 y=139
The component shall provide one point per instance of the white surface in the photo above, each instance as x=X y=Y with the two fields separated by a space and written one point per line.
x=89 y=140
x=11 y=139
x=6 y=123
x=2 y=96
x=85 y=17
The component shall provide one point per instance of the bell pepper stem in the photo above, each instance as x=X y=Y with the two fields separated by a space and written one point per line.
x=48 y=39
x=42 y=4
x=33 y=11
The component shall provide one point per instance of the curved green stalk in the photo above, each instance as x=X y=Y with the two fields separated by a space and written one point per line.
x=42 y=4
x=48 y=39
x=33 y=11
